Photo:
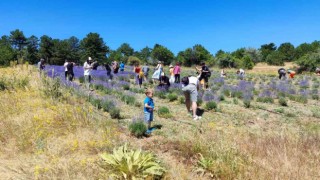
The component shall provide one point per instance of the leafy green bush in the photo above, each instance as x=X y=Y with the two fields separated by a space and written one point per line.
x=315 y=96
x=98 y=87
x=115 y=113
x=137 y=128
x=128 y=99
x=247 y=103
x=51 y=87
x=283 y=101
x=182 y=100
x=131 y=164
x=96 y=102
x=235 y=101
x=126 y=87
x=265 y=99
x=81 y=79
x=211 y=105
x=164 y=112
x=172 y=97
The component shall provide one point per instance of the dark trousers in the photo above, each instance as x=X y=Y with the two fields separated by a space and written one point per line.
x=65 y=74
x=177 y=78
x=70 y=76
x=205 y=79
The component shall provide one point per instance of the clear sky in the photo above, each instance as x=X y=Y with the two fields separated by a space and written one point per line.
x=176 y=24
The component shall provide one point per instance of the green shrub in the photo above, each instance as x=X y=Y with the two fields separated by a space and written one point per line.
x=221 y=97
x=235 y=101
x=301 y=99
x=81 y=79
x=172 y=97
x=137 y=128
x=164 y=112
x=182 y=100
x=315 y=97
x=246 y=103
x=138 y=104
x=128 y=99
x=161 y=94
x=199 y=102
x=265 y=99
x=126 y=87
x=283 y=101
x=51 y=87
x=98 y=87
x=131 y=164
x=211 y=105
x=115 y=113
x=107 y=105
x=96 y=102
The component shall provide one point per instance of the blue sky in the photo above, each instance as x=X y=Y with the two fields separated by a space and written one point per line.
x=223 y=24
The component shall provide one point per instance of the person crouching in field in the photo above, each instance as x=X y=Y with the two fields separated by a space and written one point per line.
x=282 y=73
x=148 y=108
x=291 y=73
x=190 y=87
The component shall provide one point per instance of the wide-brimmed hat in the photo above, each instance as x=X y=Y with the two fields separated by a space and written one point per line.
x=170 y=66
x=89 y=58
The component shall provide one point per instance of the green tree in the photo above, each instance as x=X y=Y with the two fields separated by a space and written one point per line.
x=145 y=55
x=93 y=46
x=161 y=53
x=61 y=51
x=18 y=41
x=267 y=49
x=254 y=54
x=275 y=58
x=310 y=61
x=74 y=48
x=115 y=56
x=6 y=51
x=194 y=55
x=239 y=53
x=287 y=49
x=219 y=53
x=247 y=62
x=32 y=54
x=306 y=48
x=46 y=48
x=227 y=60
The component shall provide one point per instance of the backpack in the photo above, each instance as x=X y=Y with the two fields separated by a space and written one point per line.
x=69 y=67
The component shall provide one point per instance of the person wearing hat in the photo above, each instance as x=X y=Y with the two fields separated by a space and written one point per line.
x=87 y=67
x=171 y=80
x=158 y=70
x=282 y=73
x=177 y=71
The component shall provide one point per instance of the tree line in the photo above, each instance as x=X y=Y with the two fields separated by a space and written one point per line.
x=17 y=47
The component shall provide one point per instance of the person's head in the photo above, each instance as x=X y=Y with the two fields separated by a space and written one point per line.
x=89 y=60
x=203 y=64
x=170 y=66
x=149 y=92
x=162 y=74
x=136 y=64
x=42 y=60
x=238 y=71
x=185 y=80
x=177 y=64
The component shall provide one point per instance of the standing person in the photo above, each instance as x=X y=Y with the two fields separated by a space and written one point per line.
x=87 y=66
x=291 y=73
x=223 y=73
x=282 y=73
x=41 y=65
x=121 y=66
x=171 y=80
x=204 y=74
x=158 y=70
x=145 y=70
x=115 y=67
x=139 y=74
x=177 y=71
x=108 y=69
x=65 y=69
x=148 y=109
x=190 y=87
x=70 y=72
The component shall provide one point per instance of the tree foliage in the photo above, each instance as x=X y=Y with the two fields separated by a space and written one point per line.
x=287 y=49
x=18 y=41
x=267 y=49
x=32 y=55
x=310 y=61
x=276 y=58
x=161 y=53
x=93 y=46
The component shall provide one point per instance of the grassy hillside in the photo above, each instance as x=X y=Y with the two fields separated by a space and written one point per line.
x=49 y=131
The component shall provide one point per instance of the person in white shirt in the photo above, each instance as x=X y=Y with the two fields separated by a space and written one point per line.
x=190 y=87
x=87 y=67
x=65 y=69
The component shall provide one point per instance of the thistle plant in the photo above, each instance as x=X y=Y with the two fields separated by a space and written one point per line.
x=131 y=164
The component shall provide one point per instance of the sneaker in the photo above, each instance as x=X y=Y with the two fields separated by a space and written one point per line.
x=196 y=118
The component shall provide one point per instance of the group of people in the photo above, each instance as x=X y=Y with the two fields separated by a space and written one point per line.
x=282 y=73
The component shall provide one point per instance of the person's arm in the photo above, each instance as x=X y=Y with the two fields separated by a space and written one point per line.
x=148 y=106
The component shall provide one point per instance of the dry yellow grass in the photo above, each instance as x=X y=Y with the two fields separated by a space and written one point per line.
x=264 y=68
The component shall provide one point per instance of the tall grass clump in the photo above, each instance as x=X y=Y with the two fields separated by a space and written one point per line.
x=211 y=105
x=164 y=112
x=172 y=97
x=137 y=128
x=283 y=101
x=51 y=87
x=131 y=164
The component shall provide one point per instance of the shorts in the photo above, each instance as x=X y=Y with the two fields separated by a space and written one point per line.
x=190 y=92
x=148 y=116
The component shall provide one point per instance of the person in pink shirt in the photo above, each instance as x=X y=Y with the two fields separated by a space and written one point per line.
x=176 y=71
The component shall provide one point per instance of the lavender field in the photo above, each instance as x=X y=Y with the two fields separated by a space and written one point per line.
x=257 y=128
